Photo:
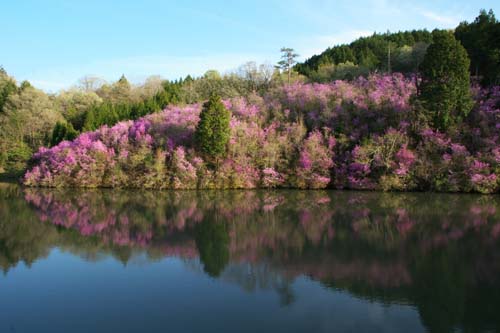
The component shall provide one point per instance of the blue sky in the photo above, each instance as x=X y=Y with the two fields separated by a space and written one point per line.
x=53 y=43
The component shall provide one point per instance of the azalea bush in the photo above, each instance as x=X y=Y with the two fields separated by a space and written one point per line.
x=364 y=134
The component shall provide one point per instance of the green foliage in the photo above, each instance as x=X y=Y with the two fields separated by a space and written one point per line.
x=14 y=158
x=25 y=85
x=74 y=105
x=29 y=116
x=406 y=59
x=372 y=53
x=445 y=86
x=116 y=108
x=109 y=114
x=116 y=93
x=482 y=41
x=7 y=87
x=62 y=131
x=171 y=93
x=213 y=131
x=341 y=71
x=244 y=83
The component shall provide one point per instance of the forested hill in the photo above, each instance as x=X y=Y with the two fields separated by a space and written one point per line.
x=372 y=53
x=404 y=51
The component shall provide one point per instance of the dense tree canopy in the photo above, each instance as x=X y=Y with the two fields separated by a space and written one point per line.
x=371 y=53
x=482 y=41
x=29 y=116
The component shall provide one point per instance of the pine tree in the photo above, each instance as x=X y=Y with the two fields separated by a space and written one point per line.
x=287 y=61
x=445 y=86
x=213 y=131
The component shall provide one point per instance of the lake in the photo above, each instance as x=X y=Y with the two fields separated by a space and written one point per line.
x=248 y=261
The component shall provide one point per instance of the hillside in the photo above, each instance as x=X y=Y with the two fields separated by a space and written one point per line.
x=362 y=134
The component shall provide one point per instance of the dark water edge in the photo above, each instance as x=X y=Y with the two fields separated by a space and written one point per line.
x=284 y=260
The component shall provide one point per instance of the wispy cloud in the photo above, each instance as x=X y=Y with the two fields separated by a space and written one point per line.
x=440 y=18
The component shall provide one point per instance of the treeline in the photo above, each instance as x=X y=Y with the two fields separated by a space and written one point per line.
x=399 y=52
x=404 y=51
x=113 y=110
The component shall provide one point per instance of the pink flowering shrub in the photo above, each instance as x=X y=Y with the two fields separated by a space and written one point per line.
x=315 y=161
x=183 y=174
x=481 y=177
x=362 y=134
x=447 y=166
x=271 y=178
x=383 y=162
x=359 y=108
x=129 y=154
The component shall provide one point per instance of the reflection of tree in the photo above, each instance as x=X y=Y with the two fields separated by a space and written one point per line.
x=20 y=239
x=438 y=252
x=439 y=290
x=212 y=241
x=287 y=296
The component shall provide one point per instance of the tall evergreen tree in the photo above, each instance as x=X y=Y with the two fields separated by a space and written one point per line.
x=445 y=86
x=213 y=131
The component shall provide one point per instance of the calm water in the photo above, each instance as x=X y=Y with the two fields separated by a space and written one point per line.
x=248 y=261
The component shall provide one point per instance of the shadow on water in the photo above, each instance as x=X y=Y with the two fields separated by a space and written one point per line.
x=437 y=252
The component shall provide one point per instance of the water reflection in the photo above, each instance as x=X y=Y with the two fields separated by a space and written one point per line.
x=438 y=252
